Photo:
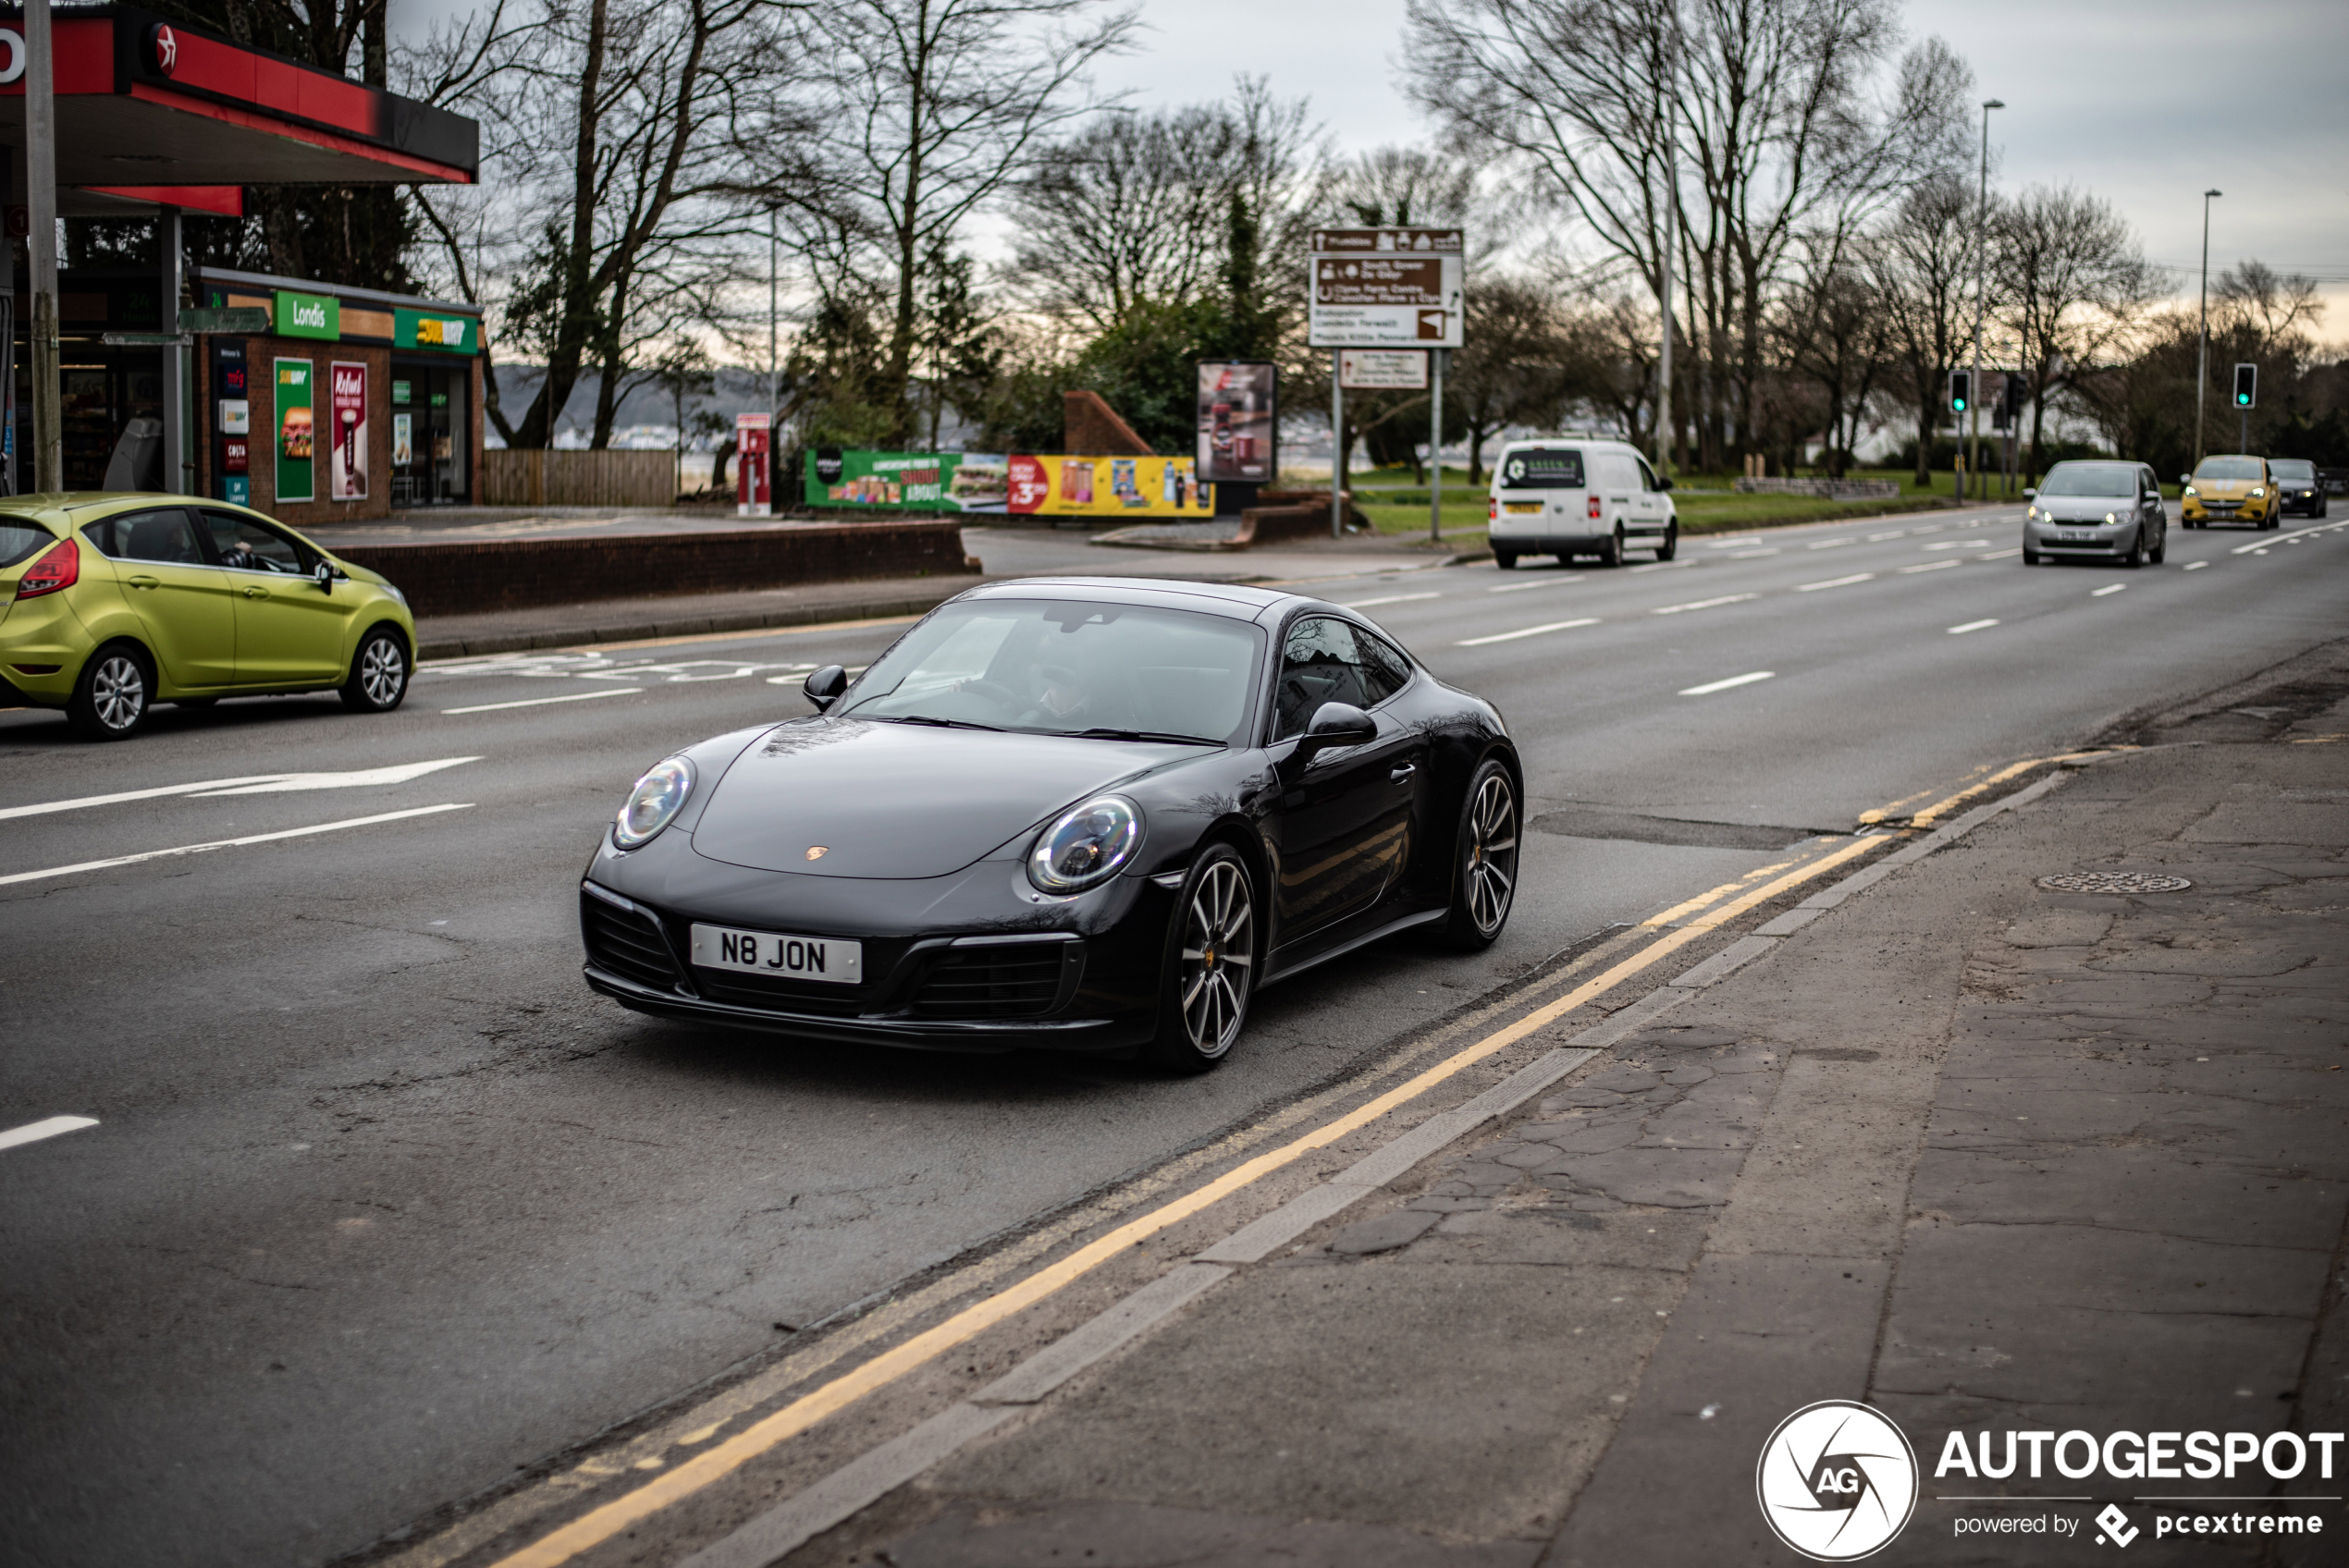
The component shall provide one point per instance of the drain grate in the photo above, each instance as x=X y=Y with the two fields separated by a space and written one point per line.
x=2115 y=882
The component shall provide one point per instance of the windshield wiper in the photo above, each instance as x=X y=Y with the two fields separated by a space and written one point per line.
x=1103 y=733
x=940 y=723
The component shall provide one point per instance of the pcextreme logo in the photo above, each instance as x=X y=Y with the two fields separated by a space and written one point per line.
x=1837 y=1481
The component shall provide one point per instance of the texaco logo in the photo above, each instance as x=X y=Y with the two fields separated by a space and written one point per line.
x=1837 y=1481
x=163 y=48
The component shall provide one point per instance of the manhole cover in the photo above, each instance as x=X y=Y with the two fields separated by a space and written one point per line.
x=2115 y=882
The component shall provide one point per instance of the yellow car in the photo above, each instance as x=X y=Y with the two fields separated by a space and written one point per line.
x=2229 y=489
x=110 y=604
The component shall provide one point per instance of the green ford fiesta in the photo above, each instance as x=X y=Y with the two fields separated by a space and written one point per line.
x=111 y=603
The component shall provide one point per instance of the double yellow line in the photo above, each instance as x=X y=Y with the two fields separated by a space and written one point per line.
x=601 y=1523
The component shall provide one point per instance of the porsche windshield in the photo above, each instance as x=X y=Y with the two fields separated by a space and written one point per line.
x=1065 y=668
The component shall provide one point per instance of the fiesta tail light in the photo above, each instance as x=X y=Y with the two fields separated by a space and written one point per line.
x=59 y=567
x=1594 y=508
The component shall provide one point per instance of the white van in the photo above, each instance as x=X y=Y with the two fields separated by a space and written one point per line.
x=1568 y=496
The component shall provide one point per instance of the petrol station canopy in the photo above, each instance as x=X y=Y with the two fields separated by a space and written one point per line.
x=151 y=112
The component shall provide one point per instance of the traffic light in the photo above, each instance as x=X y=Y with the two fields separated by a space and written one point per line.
x=1962 y=389
x=2246 y=386
x=2011 y=404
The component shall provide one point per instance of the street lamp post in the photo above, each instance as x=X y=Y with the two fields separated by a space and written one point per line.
x=1981 y=304
x=2202 y=348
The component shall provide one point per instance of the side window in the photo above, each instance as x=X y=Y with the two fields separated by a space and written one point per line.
x=1384 y=670
x=162 y=537
x=1647 y=474
x=1319 y=663
x=246 y=545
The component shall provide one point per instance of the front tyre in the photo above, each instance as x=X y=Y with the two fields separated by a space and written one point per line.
x=378 y=673
x=115 y=693
x=1484 y=860
x=1209 y=969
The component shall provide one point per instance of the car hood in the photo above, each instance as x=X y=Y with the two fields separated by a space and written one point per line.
x=2084 y=509
x=900 y=800
x=2224 y=489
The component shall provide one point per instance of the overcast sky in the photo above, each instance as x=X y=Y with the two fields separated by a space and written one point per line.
x=2146 y=103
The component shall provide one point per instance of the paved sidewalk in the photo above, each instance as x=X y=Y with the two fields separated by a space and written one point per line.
x=1986 y=1156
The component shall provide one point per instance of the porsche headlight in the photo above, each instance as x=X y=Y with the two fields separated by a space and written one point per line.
x=657 y=798
x=1086 y=846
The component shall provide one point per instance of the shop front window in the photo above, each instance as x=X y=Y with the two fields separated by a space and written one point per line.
x=431 y=434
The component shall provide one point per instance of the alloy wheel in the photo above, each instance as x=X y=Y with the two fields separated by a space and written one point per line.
x=383 y=671
x=1491 y=870
x=1218 y=952
x=118 y=691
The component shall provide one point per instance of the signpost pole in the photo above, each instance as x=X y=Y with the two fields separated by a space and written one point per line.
x=1435 y=446
x=1337 y=446
x=40 y=244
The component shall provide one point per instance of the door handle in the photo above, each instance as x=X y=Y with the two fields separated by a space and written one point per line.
x=1403 y=773
x=145 y=582
x=256 y=593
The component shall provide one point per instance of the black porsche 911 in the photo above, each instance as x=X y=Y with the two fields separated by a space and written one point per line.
x=1084 y=814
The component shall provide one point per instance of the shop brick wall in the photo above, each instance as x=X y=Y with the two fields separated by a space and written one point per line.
x=261 y=355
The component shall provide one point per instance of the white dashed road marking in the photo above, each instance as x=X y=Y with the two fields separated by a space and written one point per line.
x=1733 y=680
x=2109 y=588
x=1388 y=599
x=229 y=843
x=542 y=702
x=1837 y=583
x=1705 y=604
x=1972 y=626
x=1529 y=631
x=33 y=1131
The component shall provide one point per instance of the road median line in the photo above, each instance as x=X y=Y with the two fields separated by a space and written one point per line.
x=604 y=1522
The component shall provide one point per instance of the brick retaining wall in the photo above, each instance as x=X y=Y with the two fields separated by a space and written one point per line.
x=493 y=574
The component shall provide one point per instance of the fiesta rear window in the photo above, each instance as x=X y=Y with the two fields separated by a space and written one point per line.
x=18 y=540
x=1543 y=468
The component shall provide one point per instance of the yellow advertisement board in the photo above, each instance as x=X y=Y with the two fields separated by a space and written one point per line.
x=1108 y=487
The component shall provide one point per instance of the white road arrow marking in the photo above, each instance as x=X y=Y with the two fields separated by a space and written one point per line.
x=251 y=784
x=33 y=1131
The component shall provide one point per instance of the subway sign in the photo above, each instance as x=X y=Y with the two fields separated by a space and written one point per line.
x=308 y=315
x=425 y=329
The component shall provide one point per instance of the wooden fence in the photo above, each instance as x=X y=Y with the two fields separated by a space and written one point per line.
x=572 y=478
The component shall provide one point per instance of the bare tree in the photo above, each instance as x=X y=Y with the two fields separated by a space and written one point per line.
x=1735 y=123
x=2071 y=283
x=1832 y=332
x=1920 y=262
x=928 y=110
x=1513 y=368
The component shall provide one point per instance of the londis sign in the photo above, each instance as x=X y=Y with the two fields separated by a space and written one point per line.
x=308 y=315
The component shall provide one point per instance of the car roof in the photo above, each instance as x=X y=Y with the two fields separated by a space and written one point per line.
x=1232 y=599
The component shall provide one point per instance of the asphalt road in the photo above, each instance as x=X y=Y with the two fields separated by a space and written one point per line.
x=381 y=1205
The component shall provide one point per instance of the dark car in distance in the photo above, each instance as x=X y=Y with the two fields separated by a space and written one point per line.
x=1090 y=815
x=2298 y=487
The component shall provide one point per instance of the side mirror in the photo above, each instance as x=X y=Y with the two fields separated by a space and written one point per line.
x=2029 y=494
x=2186 y=479
x=824 y=687
x=1663 y=481
x=1334 y=725
x=326 y=575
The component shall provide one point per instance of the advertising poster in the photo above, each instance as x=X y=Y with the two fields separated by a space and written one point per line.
x=346 y=408
x=297 y=443
x=966 y=481
x=403 y=440
x=1238 y=416
x=1108 y=487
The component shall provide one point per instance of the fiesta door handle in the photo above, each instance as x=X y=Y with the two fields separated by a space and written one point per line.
x=256 y=593
x=145 y=582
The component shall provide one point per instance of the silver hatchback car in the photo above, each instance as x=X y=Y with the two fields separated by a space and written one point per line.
x=2097 y=511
